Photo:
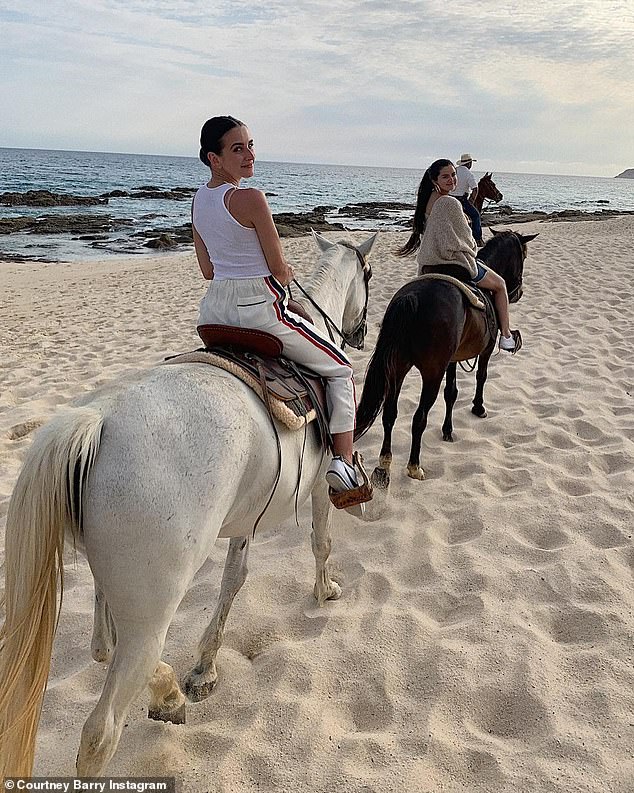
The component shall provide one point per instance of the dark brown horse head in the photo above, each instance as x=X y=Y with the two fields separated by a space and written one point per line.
x=505 y=253
x=487 y=188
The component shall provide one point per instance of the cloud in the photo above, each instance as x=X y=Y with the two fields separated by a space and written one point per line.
x=347 y=81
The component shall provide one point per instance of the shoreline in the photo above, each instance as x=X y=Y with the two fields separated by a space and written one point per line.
x=368 y=216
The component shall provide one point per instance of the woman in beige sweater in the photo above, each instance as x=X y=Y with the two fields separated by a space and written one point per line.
x=442 y=235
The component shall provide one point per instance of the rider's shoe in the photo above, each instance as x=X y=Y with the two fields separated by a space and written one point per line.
x=511 y=343
x=341 y=475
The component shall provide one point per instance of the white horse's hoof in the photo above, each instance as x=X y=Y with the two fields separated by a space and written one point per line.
x=333 y=592
x=197 y=687
x=415 y=472
x=176 y=716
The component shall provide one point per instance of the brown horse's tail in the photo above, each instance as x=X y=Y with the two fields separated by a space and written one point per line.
x=46 y=500
x=389 y=360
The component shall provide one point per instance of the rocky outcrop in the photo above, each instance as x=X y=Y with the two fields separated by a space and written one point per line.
x=151 y=192
x=162 y=242
x=296 y=224
x=378 y=210
x=628 y=173
x=62 y=224
x=44 y=198
x=505 y=214
x=99 y=230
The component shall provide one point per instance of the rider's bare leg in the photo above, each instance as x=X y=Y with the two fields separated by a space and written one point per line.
x=496 y=284
x=342 y=442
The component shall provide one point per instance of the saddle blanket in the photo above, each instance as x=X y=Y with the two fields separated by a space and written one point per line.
x=466 y=290
x=281 y=409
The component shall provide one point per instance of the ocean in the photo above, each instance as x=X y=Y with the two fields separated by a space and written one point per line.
x=291 y=187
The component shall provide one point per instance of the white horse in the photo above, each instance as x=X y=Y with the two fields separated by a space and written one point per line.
x=144 y=481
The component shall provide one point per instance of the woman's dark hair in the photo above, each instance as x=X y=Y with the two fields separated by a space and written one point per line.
x=211 y=134
x=425 y=189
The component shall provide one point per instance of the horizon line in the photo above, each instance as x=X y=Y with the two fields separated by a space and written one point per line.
x=294 y=162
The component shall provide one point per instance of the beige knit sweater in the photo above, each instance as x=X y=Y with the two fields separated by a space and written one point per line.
x=447 y=238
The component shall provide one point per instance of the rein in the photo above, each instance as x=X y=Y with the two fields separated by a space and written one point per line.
x=346 y=338
x=514 y=291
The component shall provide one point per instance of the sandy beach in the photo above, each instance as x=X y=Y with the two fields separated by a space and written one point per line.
x=484 y=640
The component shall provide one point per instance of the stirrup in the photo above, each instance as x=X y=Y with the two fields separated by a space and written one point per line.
x=358 y=495
x=517 y=338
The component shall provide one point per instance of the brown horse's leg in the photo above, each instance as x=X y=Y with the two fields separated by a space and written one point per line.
x=381 y=474
x=431 y=387
x=450 y=394
x=478 y=408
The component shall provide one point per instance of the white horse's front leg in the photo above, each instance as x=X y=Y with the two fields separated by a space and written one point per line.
x=325 y=587
x=104 y=635
x=200 y=682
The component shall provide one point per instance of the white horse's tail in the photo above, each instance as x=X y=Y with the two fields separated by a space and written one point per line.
x=46 y=500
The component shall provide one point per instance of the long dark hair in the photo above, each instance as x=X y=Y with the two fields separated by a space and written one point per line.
x=212 y=133
x=425 y=189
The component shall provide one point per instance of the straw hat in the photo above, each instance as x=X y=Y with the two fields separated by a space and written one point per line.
x=464 y=158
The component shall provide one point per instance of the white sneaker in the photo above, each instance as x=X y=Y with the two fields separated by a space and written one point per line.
x=507 y=343
x=341 y=475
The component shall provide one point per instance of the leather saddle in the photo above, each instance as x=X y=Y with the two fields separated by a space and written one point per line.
x=460 y=274
x=260 y=355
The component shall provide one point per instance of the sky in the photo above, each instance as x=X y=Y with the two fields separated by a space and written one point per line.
x=526 y=87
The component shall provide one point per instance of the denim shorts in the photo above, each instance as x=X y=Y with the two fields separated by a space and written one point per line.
x=482 y=271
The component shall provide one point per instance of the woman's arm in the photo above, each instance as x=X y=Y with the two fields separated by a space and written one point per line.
x=250 y=207
x=204 y=262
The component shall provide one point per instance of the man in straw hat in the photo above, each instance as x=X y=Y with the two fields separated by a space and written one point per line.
x=466 y=192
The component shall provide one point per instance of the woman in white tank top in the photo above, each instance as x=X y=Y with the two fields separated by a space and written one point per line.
x=240 y=254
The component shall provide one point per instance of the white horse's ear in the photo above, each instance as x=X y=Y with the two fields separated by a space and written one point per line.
x=366 y=246
x=322 y=243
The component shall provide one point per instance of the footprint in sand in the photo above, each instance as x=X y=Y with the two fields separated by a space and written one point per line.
x=510 y=713
x=574 y=626
x=24 y=429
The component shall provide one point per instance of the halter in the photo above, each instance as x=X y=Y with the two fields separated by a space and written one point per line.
x=362 y=327
x=487 y=205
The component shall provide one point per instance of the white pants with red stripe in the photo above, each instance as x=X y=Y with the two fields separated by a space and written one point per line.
x=260 y=303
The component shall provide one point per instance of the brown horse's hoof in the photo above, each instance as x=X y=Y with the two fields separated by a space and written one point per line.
x=415 y=472
x=380 y=478
x=481 y=413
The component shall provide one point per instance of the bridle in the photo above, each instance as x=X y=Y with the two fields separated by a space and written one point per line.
x=490 y=200
x=362 y=328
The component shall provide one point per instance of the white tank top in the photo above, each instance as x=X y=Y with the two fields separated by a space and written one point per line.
x=234 y=249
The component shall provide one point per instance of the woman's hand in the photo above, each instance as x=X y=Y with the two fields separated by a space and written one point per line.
x=286 y=275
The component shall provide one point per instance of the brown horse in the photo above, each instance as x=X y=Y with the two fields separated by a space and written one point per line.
x=487 y=189
x=429 y=324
